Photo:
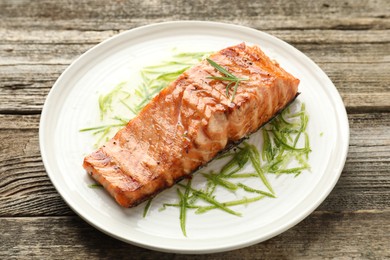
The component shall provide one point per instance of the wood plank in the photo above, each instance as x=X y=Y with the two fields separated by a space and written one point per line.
x=100 y=15
x=54 y=36
x=41 y=54
x=362 y=235
x=261 y=22
x=21 y=53
x=292 y=36
x=25 y=189
x=23 y=88
x=19 y=122
x=90 y=8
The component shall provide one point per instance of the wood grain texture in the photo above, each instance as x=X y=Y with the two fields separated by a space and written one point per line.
x=292 y=15
x=348 y=39
x=19 y=53
x=318 y=236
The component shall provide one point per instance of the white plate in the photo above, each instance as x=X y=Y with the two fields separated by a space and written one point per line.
x=72 y=105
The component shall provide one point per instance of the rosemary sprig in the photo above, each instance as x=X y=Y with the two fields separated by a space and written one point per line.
x=227 y=77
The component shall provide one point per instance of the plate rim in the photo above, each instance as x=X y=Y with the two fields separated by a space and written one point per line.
x=337 y=104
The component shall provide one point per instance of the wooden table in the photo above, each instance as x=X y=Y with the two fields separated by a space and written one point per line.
x=349 y=39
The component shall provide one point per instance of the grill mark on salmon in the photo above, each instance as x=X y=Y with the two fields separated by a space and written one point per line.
x=188 y=123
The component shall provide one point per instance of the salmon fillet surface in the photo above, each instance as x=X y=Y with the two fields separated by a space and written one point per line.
x=189 y=122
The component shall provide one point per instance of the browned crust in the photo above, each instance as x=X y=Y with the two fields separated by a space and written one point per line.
x=141 y=187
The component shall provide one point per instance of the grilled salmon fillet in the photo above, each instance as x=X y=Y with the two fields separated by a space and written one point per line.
x=189 y=122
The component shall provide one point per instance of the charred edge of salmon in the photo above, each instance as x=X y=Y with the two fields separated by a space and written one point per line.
x=229 y=146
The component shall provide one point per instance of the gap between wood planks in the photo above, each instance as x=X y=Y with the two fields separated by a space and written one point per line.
x=350 y=111
x=314 y=213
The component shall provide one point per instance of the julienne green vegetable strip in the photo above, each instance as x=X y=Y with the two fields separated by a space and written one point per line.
x=183 y=208
x=243 y=201
x=203 y=209
x=217 y=180
x=252 y=190
x=243 y=175
x=285 y=148
x=147 y=207
x=267 y=151
x=210 y=187
x=211 y=200
x=255 y=159
x=105 y=101
x=177 y=205
x=95 y=185
x=239 y=160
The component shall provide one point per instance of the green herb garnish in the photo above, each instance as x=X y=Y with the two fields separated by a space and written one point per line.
x=217 y=179
x=285 y=148
x=147 y=207
x=243 y=201
x=252 y=190
x=183 y=206
x=95 y=185
x=207 y=198
x=227 y=77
